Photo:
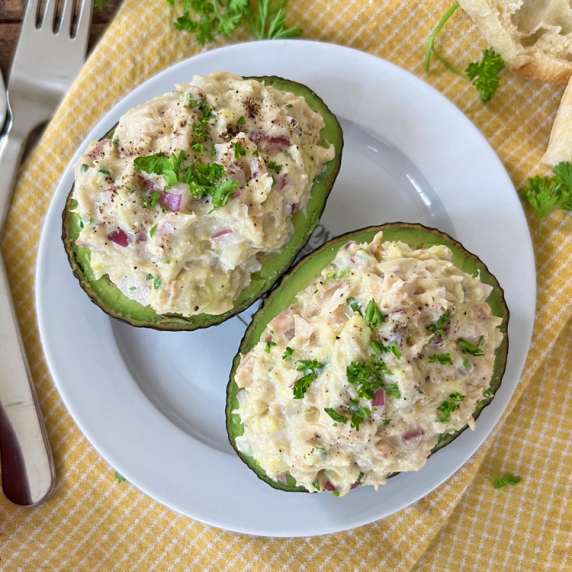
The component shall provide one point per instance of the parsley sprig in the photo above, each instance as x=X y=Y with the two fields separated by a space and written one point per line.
x=484 y=75
x=311 y=370
x=358 y=414
x=208 y=19
x=468 y=348
x=439 y=328
x=369 y=377
x=209 y=179
x=507 y=479
x=447 y=407
x=547 y=194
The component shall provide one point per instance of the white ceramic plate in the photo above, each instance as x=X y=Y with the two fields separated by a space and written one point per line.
x=153 y=403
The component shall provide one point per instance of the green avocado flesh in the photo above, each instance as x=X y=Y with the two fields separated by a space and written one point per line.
x=299 y=277
x=112 y=301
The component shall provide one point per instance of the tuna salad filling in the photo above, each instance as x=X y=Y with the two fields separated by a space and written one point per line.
x=385 y=351
x=179 y=207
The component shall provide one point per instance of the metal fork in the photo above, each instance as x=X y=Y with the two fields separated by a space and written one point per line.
x=44 y=66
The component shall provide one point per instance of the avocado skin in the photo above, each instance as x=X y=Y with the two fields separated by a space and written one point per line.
x=113 y=302
x=284 y=294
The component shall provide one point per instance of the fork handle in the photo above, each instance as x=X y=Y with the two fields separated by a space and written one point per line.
x=10 y=159
x=28 y=473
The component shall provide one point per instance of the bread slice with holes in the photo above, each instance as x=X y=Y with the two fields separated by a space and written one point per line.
x=534 y=37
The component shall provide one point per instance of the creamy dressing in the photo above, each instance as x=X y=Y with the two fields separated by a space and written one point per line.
x=398 y=346
x=158 y=237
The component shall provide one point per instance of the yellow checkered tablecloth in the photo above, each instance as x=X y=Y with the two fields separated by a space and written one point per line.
x=93 y=523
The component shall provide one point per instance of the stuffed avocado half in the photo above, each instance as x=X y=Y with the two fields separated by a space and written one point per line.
x=372 y=353
x=236 y=177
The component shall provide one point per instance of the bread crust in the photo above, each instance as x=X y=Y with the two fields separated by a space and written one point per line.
x=496 y=21
x=560 y=145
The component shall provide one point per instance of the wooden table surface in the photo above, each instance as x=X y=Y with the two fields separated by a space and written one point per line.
x=11 y=13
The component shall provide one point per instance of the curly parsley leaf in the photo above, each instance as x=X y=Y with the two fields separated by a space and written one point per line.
x=507 y=479
x=369 y=377
x=547 y=194
x=119 y=478
x=468 y=348
x=287 y=355
x=439 y=328
x=311 y=370
x=447 y=407
x=335 y=416
x=208 y=19
x=485 y=75
x=268 y=21
x=373 y=316
x=269 y=346
x=359 y=414
x=160 y=164
x=444 y=359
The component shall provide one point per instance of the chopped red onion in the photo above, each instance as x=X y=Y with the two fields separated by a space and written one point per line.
x=329 y=487
x=283 y=182
x=379 y=398
x=221 y=233
x=355 y=485
x=237 y=194
x=291 y=208
x=119 y=237
x=412 y=437
x=152 y=186
x=171 y=201
x=281 y=477
x=289 y=333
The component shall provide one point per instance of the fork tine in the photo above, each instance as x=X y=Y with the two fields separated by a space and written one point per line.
x=50 y=14
x=65 y=24
x=31 y=15
x=84 y=21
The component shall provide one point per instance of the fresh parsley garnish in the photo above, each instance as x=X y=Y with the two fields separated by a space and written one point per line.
x=507 y=479
x=241 y=120
x=547 y=194
x=200 y=132
x=359 y=414
x=444 y=359
x=104 y=172
x=316 y=485
x=206 y=20
x=311 y=369
x=378 y=348
x=335 y=416
x=287 y=355
x=369 y=377
x=447 y=407
x=160 y=164
x=488 y=394
x=153 y=230
x=468 y=348
x=133 y=288
x=84 y=168
x=466 y=364
x=338 y=274
x=209 y=180
x=373 y=316
x=386 y=421
x=198 y=148
x=484 y=75
x=354 y=305
x=239 y=151
x=157 y=283
x=149 y=277
x=152 y=200
x=269 y=346
x=274 y=166
x=440 y=327
x=119 y=478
